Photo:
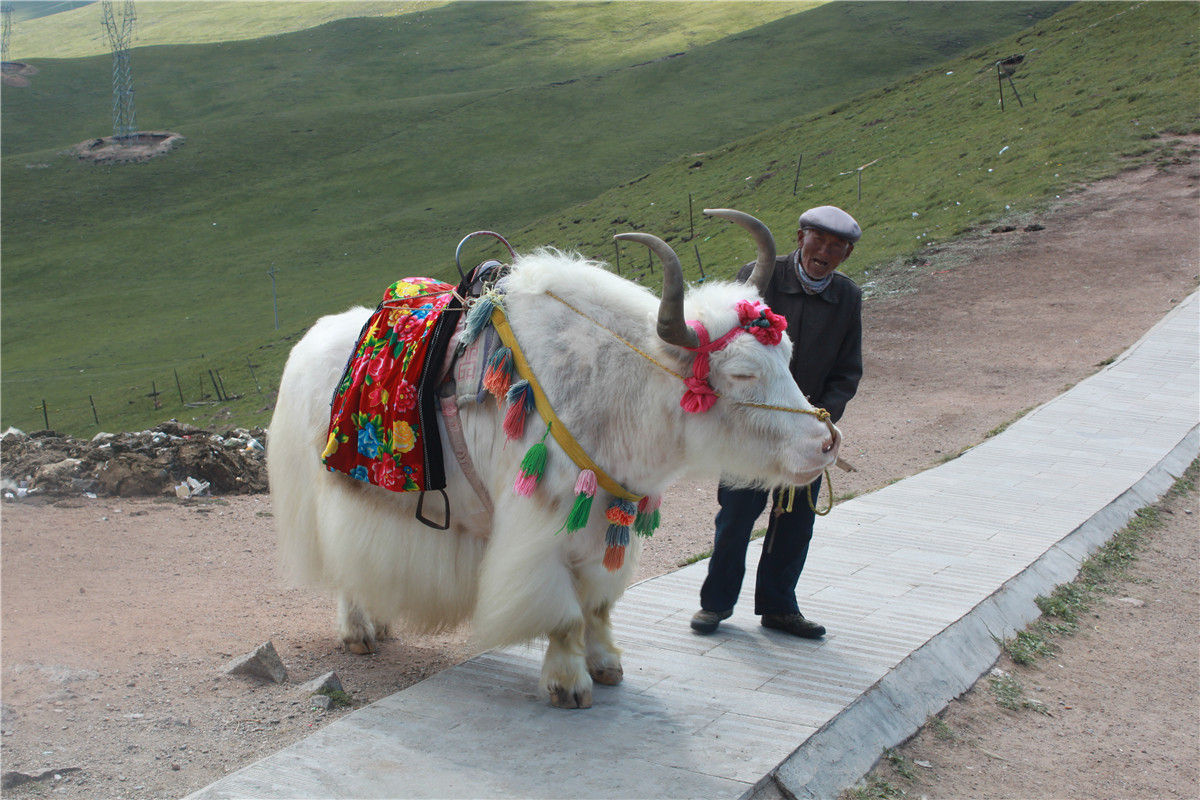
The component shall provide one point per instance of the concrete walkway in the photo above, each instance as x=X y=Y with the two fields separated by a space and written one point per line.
x=913 y=582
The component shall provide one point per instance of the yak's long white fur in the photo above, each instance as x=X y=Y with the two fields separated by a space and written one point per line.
x=520 y=578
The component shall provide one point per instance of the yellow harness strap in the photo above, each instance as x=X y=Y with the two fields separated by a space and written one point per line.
x=557 y=429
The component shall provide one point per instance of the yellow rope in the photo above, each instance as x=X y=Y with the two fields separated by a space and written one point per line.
x=812 y=500
x=557 y=429
x=787 y=498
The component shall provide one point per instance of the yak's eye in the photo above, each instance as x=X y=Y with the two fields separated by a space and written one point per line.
x=743 y=377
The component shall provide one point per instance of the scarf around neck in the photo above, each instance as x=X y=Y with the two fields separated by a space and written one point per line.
x=810 y=285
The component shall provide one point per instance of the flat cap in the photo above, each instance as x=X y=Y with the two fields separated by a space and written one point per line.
x=832 y=219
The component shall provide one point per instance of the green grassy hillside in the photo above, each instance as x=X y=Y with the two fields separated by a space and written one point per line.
x=1105 y=86
x=73 y=30
x=357 y=152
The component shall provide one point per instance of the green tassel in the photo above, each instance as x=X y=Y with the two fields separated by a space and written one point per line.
x=647 y=523
x=580 y=512
x=533 y=466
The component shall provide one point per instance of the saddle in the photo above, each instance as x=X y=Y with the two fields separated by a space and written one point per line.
x=400 y=376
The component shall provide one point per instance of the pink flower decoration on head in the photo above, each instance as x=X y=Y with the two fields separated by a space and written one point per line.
x=765 y=324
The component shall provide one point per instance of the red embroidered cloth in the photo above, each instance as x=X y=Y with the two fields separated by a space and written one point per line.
x=374 y=426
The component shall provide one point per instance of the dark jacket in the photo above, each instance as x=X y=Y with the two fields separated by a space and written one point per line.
x=826 y=333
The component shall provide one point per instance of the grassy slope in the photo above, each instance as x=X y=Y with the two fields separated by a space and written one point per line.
x=61 y=30
x=361 y=151
x=1105 y=87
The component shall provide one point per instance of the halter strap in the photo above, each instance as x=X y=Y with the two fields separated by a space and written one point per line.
x=753 y=318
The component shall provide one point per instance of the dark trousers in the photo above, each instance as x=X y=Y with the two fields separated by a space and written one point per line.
x=784 y=551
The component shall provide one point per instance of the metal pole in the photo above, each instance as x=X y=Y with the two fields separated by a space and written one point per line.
x=1013 y=86
x=257 y=385
x=691 y=220
x=45 y=414
x=796 y=182
x=95 y=416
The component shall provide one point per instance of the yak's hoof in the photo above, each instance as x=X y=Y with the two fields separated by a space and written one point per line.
x=360 y=647
x=568 y=698
x=608 y=676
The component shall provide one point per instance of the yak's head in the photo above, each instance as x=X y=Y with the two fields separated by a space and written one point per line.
x=747 y=418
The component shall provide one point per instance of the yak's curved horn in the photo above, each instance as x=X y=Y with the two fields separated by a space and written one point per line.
x=672 y=328
x=765 y=263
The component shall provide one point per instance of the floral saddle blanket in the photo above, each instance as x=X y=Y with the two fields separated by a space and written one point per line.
x=383 y=421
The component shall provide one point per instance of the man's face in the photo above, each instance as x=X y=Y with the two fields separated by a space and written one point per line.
x=821 y=251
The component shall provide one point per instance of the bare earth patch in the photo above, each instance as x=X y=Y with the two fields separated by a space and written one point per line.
x=119 y=614
x=16 y=74
x=133 y=149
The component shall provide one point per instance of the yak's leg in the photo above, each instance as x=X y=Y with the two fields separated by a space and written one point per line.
x=359 y=632
x=564 y=671
x=603 y=656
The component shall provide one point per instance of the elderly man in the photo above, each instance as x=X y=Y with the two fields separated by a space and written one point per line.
x=824 y=320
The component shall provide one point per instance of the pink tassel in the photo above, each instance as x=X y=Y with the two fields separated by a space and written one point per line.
x=586 y=483
x=525 y=484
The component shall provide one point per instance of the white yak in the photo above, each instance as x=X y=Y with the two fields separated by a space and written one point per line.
x=514 y=574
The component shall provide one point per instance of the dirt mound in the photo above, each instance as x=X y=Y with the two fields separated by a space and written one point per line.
x=140 y=146
x=172 y=459
x=16 y=74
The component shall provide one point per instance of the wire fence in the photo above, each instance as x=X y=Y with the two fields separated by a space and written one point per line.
x=202 y=393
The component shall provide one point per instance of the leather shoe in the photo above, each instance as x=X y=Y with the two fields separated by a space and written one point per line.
x=795 y=624
x=707 y=621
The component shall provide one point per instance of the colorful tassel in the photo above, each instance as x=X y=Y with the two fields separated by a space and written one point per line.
x=498 y=375
x=585 y=491
x=533 y=467
x=620 y=514
x=648 y=516
x=520 y=403
x=478 y=318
